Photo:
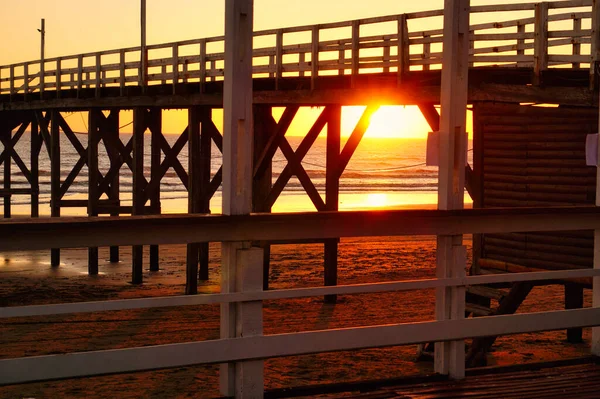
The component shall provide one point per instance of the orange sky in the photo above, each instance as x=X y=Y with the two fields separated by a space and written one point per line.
x=75 y=26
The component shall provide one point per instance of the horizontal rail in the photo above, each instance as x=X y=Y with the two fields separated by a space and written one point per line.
x=73 y=232
x=70 y=365
x=206 y=299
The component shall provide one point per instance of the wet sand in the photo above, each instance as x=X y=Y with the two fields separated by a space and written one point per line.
x=27 y=278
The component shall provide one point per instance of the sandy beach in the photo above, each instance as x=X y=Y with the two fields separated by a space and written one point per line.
x=27 y=279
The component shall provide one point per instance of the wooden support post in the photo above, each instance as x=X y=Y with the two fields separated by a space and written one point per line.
x=574 y=300
x=155 y=124
x=264 y=128
x=36 y=145
x=139 y=128
x=577 y=43
x=451 y=254
x=6 y=137
x=355 y=52
x=204 y=176
x=520 y=43
x=202 y=65
x=278 y=58
x=595 y=44
x=54 y=178
x=98 y=76
x=194 y=196
x=478 y=200
x=243 y=379
x=386 y=55
x=426 y=53
x=112 y=129
x=595 y=344
x=175 y=64
x=79 y=74
x=540 y=52
x=58 y=76
x=332 y=194
x=26 y=80
x=122 y=72
x=314 y=58
x=403 y=48
x=93 y=195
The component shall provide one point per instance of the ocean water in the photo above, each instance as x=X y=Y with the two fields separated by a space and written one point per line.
x=388 y=172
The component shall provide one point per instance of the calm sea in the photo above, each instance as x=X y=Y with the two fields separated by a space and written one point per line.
x=382 y=172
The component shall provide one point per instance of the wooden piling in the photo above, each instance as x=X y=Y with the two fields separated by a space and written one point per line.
x=332 y=193
x=205 y=189
x=36 y=145
x=54 y=178
x=155 y=125
x=194 y=196
x=6 y=138
x=94 y=116
x=112 y=129
x=574 y=300
x=139 y=127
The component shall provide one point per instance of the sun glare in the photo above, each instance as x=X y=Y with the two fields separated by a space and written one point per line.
x=378 y=200
x=388 y=122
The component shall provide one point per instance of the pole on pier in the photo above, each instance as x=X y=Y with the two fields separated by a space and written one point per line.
x=241 y=266
x=54 y=178
x=332 y=194
x=139 y=127
x=143 y=48
x=451 y=253
x=194 y=196
x=112 y=129
x=264 y=129
x=36 y=145
x=155 y=125
x=206 y=194
x=42 y=31
x=93 y=195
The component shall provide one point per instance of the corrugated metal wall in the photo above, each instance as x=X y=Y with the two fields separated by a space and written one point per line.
x=534 y=156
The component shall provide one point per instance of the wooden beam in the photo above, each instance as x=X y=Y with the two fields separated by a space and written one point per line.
x=139 y=128
x=451 y=254
x=114 y=192
x=574 y=300
x=541 y=41
x=431 y=116
x=244 y=379
x=206 y=134
x=94 y=137
x=35 y=147
x=355 y=139
x=155 y=126
x=6 y=139
x=332 y=195
x=194 y=196
x=54 y=177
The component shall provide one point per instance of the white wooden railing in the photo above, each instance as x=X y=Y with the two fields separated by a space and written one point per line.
x=545 y=35
x=28 y=234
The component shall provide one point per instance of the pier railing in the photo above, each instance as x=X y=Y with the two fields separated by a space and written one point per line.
x=29 y=234
x=545 y=35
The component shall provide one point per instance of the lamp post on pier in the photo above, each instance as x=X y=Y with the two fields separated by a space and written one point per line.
x=42 y=31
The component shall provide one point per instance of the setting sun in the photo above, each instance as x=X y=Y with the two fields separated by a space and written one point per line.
x=376 y=200
x=388 y=122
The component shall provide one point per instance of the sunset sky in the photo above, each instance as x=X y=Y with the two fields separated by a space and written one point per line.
x=76 y=26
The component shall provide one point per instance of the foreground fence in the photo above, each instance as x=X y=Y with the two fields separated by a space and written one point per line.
x=545 y=35
x=251 y=346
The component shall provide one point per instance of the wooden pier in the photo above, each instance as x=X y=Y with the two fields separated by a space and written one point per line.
x=524 y=156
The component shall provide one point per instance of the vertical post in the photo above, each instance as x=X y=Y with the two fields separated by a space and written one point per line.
x=595 y=344
x=202 y=65
x=355 y=52
x=12 y=81
x=26 y=80
x=595 y=43
x=194 y=196
x=577 y=40
x=175 y=63
x=8 y=150
x=139 y=127
x=264 y=128
x=155 y=124
x=243 y=379
x=426 y=53
x=98 y=74
x=143 y=48
x=79 y=74
x=386 y=55
x=520 y=43
x=332 y=193
x=302 y=61
x=314 y=58
x=58 y=76
x=278 y=58
x=36 y=144
x=451 y=254
x=122 y=72
x=114 y=193
x=540 y=50
x=93 y=196
x=54 y=178
x=42 y=57
x=204 y=176
x=574 y=300
x=478 y=200
x=403 y=48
